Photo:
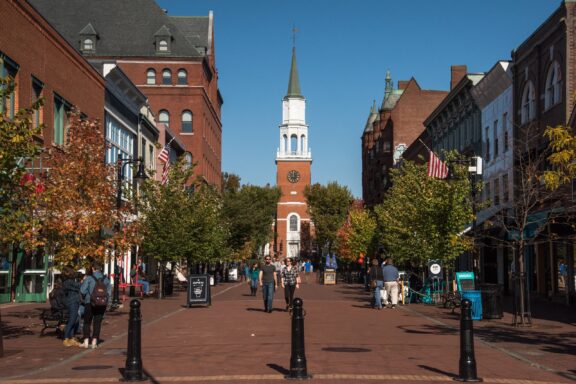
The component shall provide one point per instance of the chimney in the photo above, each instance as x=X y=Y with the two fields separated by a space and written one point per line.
x=458 y=72
x=402 y=84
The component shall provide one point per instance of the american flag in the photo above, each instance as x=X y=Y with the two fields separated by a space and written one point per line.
x=163 y=155
x=436 y=167
x=165 y=169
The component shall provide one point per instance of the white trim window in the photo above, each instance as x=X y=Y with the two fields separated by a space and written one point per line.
x=553 y=92
x=528 y=108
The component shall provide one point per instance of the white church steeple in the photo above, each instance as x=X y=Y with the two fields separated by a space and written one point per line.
x=294 y=130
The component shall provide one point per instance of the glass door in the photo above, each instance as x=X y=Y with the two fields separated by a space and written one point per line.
x=5 y=273
x=32 y=276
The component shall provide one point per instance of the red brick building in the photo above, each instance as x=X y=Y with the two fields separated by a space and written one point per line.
x=293 y=161
x=170 y=59
x=42 y=64
x=390 y=131
x=544 y=84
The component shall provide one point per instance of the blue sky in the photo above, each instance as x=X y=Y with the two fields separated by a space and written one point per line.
x=344 y=49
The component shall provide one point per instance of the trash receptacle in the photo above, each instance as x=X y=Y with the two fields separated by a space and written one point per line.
x=168 y=283
x=491 y=301
x=476 y=298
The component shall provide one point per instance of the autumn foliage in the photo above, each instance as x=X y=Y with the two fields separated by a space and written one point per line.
x=80 y=195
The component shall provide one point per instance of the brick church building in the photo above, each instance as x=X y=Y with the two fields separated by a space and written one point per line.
x=293 y=161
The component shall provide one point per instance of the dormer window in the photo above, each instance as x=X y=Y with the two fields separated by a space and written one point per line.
x=88 y=37
x=88 y=45
x=163 y=39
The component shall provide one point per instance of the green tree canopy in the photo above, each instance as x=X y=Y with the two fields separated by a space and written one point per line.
x=328 y=206
x=249 y=212
x=357 y=234
x=423 y=218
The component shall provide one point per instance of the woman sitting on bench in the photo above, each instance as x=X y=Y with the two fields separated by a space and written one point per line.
x=137 y=275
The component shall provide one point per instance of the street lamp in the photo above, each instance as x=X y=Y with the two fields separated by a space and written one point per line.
x=139 y=178
x=474 y=168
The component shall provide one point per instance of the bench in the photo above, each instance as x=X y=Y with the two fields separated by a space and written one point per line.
x=54 y=318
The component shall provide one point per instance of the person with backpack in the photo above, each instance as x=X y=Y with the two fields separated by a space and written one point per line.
x=94 y=291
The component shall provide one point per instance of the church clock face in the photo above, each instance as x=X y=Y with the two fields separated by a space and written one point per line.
x=293 y=176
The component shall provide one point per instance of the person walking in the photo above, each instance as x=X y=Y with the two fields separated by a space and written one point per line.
x=290 y=281
x=71 y=288
x=94 y=291
x=253 y=276
x=268 y=282
x=376 y=282
x=390 y=273
x=307 y=270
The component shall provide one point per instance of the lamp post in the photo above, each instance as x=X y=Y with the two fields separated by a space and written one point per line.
x=139 y=177
x=474 y=168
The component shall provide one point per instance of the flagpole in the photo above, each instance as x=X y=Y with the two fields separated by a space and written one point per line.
x=424 y=144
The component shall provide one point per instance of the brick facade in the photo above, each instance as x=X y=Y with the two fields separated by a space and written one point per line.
x=397 y=126
x=40 y=52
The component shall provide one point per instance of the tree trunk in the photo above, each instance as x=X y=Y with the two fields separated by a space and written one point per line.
x=161 y=281
x=522 y=316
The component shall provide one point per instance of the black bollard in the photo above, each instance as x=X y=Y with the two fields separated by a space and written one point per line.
x=467 y=361
x=133 y=370
x=298 y=369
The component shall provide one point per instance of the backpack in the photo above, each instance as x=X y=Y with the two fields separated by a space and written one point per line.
x=57 y=298
x=99 y=295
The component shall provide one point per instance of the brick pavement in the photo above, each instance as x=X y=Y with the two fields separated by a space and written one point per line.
x=235 y=341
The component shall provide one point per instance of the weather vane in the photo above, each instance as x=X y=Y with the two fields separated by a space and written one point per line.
x=294 y=30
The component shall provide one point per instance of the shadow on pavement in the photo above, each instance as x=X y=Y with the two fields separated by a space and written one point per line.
x=436 y=370
x=14 y=332
x=429 y=329
x=278 y=368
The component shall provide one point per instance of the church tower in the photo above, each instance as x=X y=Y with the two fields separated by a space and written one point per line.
x=293 y=161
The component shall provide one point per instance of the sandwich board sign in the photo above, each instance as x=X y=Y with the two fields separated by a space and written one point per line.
x=199 y=290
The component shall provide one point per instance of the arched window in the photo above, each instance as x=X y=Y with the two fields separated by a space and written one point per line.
x=187 y=122
x=285 y=143
x=182 y=77
x=528 y=103
x=150 y=76
x=293 y=144
x=88 y=45
x=553 y=93
x=163 y=46
x=293 y=223
x=167 y=77
x=164 y=117
x=302 y=143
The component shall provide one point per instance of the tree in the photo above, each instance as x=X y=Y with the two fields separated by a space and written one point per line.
x=163 y=216
x=249 y=212
x=357 y=234
x=328 y=206
x=422 y=218
x=562 y=156
x=80 y=195
x=536 y=204
x=20 y=191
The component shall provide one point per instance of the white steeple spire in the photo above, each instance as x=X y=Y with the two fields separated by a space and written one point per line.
x=294 y=130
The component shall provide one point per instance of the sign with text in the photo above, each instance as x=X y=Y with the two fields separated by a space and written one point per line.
x=199 y=290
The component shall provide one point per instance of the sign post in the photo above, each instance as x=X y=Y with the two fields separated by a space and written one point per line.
x=199 y=290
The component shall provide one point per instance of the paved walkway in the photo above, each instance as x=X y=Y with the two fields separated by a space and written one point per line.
x=235 y=341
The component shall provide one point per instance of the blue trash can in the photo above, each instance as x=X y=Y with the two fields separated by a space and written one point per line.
x=476 y=298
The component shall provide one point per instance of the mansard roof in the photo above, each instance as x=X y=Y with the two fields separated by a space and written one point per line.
x=126 y=28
